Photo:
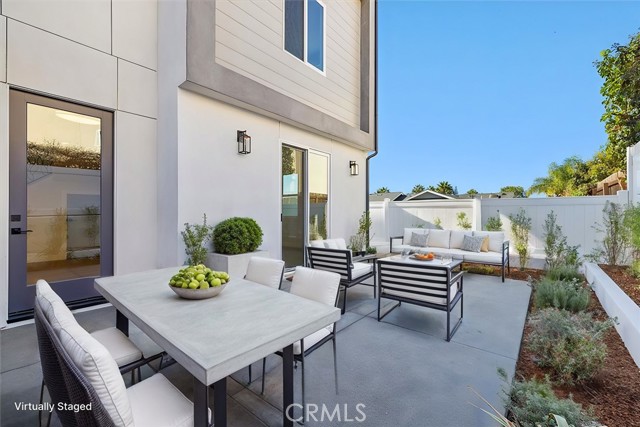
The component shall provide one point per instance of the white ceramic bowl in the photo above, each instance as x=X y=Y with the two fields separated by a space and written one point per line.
x=188 y=293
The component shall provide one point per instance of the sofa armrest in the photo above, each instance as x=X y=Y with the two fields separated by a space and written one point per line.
x=391 y=239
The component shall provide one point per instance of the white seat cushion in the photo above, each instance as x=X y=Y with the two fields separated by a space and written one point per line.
x=265 y=271
x=457 y=237
x=331 y=244
x=341 y=243
x=496 y=238
x=316 y=285
x=490 y=257
x=439 y=238
x=453 y=253
x=119 y=345
x=97 y=365
x=312 y=339
x=360 y=269
x=317 y=243
x=155 y=402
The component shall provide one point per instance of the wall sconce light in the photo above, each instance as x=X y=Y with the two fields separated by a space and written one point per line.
x=354 y=169
x=244 y=142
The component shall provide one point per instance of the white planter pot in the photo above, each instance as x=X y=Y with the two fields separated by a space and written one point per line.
x=235 y=265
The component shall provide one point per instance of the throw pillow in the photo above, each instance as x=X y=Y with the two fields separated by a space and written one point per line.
x=472 y=244
x=485 y=245
x=419 y=239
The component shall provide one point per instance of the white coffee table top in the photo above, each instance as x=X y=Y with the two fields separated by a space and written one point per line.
x=215 y=337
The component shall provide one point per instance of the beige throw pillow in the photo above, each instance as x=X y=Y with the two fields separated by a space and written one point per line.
x=485 y=245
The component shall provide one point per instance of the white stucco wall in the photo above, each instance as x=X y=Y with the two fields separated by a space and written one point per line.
x=216 y=180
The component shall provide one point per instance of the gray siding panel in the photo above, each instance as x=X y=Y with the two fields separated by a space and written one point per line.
x=249 y=41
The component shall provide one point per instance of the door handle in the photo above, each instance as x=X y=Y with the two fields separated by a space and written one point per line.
x=20 y=231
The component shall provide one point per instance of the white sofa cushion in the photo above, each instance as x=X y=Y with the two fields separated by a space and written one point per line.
x=316 y=285
x=496 y=238
x=97 y=365
x=488 y=257
x=439 y=238
x=317 y=243
x=331 y=244
x=340 y=242
x=119 y=345
x=155 y=402
x=406 y=238
x=457 y=237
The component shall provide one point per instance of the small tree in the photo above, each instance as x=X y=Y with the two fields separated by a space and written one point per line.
x=520 y=227
x=195 y=236
x=494 y=223
x=615 y=244
x=463 y=221
x=437 y=222
x=632 y=223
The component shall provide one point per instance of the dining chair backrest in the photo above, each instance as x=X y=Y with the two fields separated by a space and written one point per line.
x=317 y=285
x=54 y=309
x=65 y=383
x=265 y=271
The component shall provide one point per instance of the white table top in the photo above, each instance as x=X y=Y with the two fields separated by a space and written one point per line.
x=215 y=337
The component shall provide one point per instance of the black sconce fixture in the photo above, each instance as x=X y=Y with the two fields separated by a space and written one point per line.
x=244 y=142
x=354 y=169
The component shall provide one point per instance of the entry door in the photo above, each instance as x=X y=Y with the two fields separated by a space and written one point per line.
x=60 y=199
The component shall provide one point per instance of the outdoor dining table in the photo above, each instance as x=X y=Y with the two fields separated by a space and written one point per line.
x=215 y=337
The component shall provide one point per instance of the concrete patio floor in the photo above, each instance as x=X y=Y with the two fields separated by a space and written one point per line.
x=401 y=369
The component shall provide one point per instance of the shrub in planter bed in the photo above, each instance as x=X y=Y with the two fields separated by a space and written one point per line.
x=237 y=236
x=570 y=344
x=565 y=272
x=564 y=295
x=531 y=402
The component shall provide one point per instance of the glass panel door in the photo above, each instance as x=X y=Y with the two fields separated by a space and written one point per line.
x=318 y=195
x=293 y=206
x=60 y=214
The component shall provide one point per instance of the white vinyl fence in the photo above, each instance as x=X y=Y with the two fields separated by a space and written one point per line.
x=576 y=215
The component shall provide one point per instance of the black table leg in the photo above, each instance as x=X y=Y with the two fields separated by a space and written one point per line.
x=220 y=403
x=122 y=323
x=200 y=404
x=287 y=386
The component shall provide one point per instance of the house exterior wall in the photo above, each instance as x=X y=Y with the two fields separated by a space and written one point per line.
x=255 y=48
x=228 y=184
x=101 y=53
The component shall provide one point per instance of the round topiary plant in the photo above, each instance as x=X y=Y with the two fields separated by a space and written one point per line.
x=237 y=236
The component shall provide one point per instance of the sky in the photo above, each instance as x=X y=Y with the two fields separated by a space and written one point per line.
x=487 y=94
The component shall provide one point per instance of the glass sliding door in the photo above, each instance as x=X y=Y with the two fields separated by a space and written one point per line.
x=60 y=198
x=293 y=205
x=318 y=195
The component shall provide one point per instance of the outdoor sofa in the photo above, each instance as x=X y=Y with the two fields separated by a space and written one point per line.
x=450 y=242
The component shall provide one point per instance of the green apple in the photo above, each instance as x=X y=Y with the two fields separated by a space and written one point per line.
x=216 y=282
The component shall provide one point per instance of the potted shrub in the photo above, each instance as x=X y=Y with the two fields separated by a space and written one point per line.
x=235 y=241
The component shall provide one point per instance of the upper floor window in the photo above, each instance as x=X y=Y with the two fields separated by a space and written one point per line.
x=304 y=31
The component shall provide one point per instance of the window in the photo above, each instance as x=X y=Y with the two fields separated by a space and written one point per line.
x=304 y=31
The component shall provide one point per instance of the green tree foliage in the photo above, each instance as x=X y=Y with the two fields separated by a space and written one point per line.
x=620 y=70
x=444 y=187
x=463 y=221
x=517 y=190
x=195 y=236
x=520 y=227
x=570 y=178
x=472 y=191
x=418 y=188
x=382 y=190
x=288 y=161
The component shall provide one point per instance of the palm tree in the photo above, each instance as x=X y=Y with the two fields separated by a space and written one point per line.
x=566 y=179
x=444 y=187
x=418 y=188
x=472 y=191
x=382 y=190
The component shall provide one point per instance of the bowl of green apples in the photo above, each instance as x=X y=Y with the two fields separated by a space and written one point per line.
x=198 y=282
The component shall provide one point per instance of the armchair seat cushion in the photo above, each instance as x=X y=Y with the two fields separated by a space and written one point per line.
x=312 y=339
x=360 y=269
x=119 y=345
x=155 y=402
x=488 y=257
x=434 y=300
